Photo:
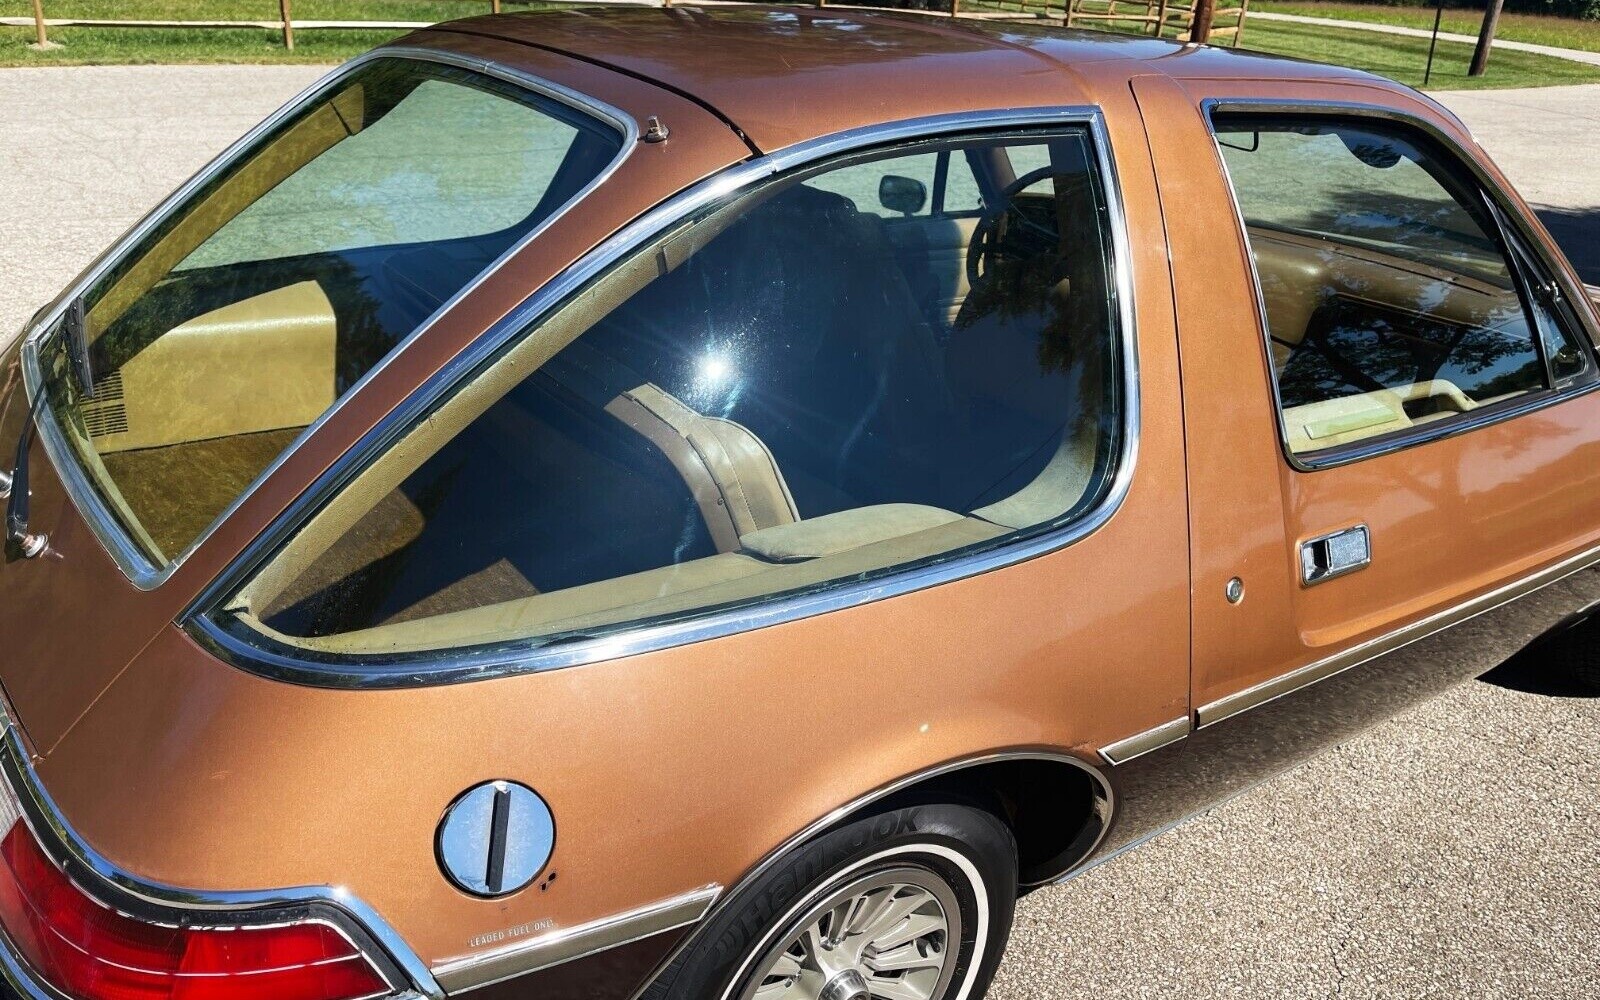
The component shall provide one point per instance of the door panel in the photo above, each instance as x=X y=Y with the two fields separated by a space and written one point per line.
x=1449 y=519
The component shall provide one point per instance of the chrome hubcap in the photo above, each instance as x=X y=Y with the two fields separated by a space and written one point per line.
x=847 y=985
x=891 y=935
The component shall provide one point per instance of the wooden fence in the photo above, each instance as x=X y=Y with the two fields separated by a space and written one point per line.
x=1158 y=14
x=285 y=22
x=1156 y=17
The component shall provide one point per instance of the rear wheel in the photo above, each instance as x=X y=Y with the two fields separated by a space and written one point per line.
x=909 y=904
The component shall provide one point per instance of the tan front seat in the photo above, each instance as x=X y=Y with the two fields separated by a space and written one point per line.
x=735 y=480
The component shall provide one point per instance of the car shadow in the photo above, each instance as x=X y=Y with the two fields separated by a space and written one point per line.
x=1578 y=233
x=1549 y=666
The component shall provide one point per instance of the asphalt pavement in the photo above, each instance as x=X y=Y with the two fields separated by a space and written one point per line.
x=1450 y=852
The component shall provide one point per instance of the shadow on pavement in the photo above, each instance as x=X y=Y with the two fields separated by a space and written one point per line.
x=1578 y=232
x=1562 y=664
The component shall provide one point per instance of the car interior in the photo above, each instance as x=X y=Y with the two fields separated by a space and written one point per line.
x=1389 y=296
x=206 y=371
x=796 y=401
x=1355 y=355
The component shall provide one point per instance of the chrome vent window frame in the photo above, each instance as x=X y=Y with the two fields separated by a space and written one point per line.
x=1505 y=213
x=466 y=664
x=142 y=571
x=407 y=976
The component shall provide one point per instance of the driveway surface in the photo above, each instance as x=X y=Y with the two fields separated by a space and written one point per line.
x=1450 y=852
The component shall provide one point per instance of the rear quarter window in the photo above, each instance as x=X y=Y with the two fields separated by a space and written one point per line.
x=774 y=399
x=288 y=275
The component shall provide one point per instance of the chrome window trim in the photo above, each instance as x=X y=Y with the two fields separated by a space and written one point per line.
x=407 y=975
x=139 y=568
x=460 y=665
x=1507 y=213
x=1105 y=792
x=573 y=943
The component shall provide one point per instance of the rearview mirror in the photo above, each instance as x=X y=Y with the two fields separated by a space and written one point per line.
x=902 y=194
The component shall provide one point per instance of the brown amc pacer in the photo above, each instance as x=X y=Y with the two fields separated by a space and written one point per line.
x=713 y=504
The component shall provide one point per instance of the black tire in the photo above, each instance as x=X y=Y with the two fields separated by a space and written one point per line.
x=971 y=850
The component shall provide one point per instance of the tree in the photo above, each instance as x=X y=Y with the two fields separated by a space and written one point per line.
x=1491 y=23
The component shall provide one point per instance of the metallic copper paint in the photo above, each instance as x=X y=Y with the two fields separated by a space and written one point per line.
x=55 y=668
x=290 y=785
x=652 y=763
x=1449 y=519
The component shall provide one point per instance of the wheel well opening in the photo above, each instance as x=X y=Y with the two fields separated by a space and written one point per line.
x=1056 y=810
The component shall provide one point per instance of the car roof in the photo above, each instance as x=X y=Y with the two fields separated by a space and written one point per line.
x=782 y=75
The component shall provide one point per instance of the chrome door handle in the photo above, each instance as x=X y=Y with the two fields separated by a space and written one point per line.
x=1327 y=556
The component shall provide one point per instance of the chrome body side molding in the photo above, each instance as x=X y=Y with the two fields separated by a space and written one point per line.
x=1148 y=741
x=129 y=557
x=259 y=655
x=1231 y=705
x=161 y=904
x=571 y=944
x=1166 y=788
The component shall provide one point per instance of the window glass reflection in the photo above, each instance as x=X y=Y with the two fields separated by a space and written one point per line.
x=1389 y=296
x=792 y=391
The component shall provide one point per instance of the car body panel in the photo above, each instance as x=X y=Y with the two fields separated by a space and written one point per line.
x=1058 y=670
x=77 y=572
x=679 y=769
x=1486 y=485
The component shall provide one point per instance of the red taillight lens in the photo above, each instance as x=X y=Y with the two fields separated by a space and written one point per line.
x=91 y=952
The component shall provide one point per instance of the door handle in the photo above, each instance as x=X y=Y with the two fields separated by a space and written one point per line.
x=1327 y=556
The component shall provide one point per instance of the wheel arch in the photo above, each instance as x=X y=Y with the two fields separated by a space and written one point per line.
x=1058 y=805
x=989 y=780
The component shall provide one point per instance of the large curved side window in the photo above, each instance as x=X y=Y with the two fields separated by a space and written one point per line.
x=818 y=382
x=239 y=319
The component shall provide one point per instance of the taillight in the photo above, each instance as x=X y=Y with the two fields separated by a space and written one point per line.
x=92 y=952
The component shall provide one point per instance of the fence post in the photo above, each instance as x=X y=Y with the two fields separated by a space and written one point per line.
x=1205 y=13
x=494 y=6
x=955 y=8
x=288 y=25
x=41 y=41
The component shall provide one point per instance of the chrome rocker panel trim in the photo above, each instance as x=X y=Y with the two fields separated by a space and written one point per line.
x=448 y=667
x=1149 y=741
x=572 y=944
x=156 y=903
x=1270 y=690
x=129 y=557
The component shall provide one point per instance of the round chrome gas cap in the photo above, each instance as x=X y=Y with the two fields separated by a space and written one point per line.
x=496 y=838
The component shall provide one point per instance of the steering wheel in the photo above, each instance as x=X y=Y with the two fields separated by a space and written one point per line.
x=1007 y=233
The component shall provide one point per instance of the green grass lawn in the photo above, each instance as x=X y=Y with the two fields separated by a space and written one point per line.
x=1401 y=58
x=1563 y=32
x=217 y=45
x=1393 y=56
